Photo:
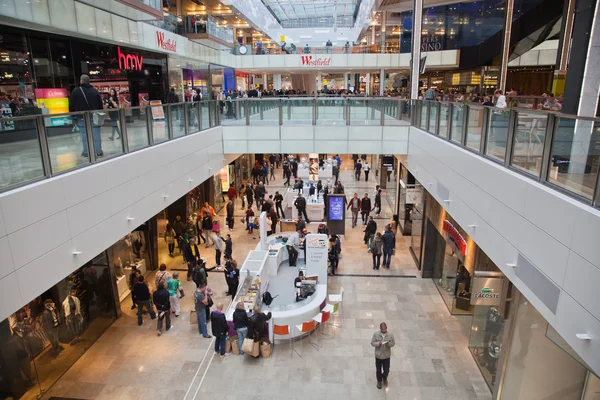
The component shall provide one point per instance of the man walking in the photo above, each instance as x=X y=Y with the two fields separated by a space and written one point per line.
x=383 y=341
x=366 y=168
x=219 y=329
x=161 y=299
x=278 y=205
x=87 y=98
x=389 y=244
x=142 y=297
x=354 y=204
x=300 y=204
x=292 y=248
x=365 y=208
x=200 y=301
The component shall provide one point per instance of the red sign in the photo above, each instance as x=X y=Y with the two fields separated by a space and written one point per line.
x=460 y=241
x=129 y=61
x=169 y=45
x=310 y=61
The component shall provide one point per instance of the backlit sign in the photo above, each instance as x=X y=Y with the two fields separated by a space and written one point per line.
x=310 y=61
x=460 y=242
x=168 y=45
x=129 y=61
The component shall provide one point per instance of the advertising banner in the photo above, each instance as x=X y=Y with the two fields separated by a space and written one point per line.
x=157 y=112
x=54 y=101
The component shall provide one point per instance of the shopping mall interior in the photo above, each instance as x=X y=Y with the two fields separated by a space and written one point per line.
x=251 y=199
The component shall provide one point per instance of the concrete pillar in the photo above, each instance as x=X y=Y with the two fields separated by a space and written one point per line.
x=266 y=81
x=373 y=35
x=383 y=30
x=506 y=45
x=381 y=81
x=416 y=48
x=346 y=80
x=276 y=81
x=319 y=81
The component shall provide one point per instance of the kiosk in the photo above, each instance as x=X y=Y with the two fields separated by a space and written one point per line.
x=266 y=268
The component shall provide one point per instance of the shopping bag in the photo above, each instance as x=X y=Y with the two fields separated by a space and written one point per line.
x=255 y=350
x=235 y=345
x=227 y=345
x=265 y=349
x=193 y=318
x=248 y=345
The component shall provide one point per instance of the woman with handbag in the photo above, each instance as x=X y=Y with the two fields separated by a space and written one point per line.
x=112 y=103
x=175 y=288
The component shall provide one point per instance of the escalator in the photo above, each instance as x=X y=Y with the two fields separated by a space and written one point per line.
x=529 y=29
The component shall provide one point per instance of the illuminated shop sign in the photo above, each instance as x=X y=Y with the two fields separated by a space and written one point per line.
x=431 y=43
x=168 y=45
x=460 y=241
x=310 y=61
x=129 y=61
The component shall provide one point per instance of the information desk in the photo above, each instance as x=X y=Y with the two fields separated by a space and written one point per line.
x=262 y=270
x=315 y=206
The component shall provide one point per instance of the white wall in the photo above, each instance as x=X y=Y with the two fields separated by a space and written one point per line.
x=42 y=224
x=516 y=215
x=340 y=139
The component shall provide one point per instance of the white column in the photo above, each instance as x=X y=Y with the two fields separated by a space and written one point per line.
x=506 y=45
x=416 y=48
x=319 y=80
x=383 y=30
x=276 y=81
x=373 y=34
x=265 y=81
x=381 y=81
x=346 y=80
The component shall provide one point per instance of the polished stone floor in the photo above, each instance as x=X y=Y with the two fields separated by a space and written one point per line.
x=430 y=360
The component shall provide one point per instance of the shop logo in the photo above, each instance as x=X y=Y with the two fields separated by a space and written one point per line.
x=129 y=61
x=169 y=45
x=460 y=241
x=309 y=61
x=317 y=243
x=486 y=293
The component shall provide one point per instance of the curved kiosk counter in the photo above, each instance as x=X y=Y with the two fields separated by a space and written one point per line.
x=267 y=269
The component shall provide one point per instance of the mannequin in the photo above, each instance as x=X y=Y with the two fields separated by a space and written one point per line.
x=73 y=318
x=119 y=267
x=51 y=322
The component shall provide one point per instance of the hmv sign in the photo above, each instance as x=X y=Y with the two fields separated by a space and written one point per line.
x=314 y=61
x=128 y=61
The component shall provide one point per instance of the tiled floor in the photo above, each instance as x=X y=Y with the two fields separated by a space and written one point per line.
x=430 y=361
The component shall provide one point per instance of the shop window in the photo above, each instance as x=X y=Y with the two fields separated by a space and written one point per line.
x=44 y=338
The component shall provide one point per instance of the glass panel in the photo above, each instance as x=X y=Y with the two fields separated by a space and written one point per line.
x=528 y=143
x=331 y=111
x=485 y=340
x=266 y=112
x=67 y=141
x=474 y=127
x=497 y=134
x=205 y=114
x=433 y=118
x=297 y=111
x=20 y=154
x=178 y=120
x=443 y=130
x=363 y=112
x=406 y=107
x=423 y=113
x=458 y=112
x=537 y=368
x=159 y=118
x=574 y=157
x=137 y=129
x=111 y=141
x=192 y=110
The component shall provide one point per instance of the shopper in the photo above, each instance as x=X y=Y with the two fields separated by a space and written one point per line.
x=142 y=298
x=258 y=324
x=333 y=255
x=219 y=329
x=370 y=231
x=133 y=278
x=274 y=220
x=300 y=224
x=87 y=98
x=170 y=239
x=365 y=208
x=383 y=341
x=232 y=276
x=292 y=248
x=278 y=205
x=354 y=205
x=175 y=288
x=112 y=102
x=192 y=255
x=367 y=169
x=218 y=250
x=162 y=276
x=229 y=208
x=243 y=196
x=241 y=321
x=179 y=228
x=249 y=195
x=357 y=170
x=163 y=306
x=200 y=302
x=300 y=205
x=376 y=250
x=259 y=194
x=228 y=245
x=377 y=203
x=389 y=246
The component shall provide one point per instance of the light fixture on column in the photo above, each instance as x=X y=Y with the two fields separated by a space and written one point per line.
x=76 y=253
x=583 y=336
x=130 y=218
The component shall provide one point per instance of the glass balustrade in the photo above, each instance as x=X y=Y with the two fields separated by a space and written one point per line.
x=528 y=142
x=331 y=111
x=474 y=127
x=456 y=126
x=444 y=128
x=497 y=133
x=297 y=111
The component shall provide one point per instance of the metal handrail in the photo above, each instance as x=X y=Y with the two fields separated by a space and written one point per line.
x=37 y=136
x=539 y=149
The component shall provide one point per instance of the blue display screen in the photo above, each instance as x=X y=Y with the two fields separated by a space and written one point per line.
x=336 y=208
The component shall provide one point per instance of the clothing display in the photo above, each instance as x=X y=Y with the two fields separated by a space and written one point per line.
x=74 y=319
x=51 y=322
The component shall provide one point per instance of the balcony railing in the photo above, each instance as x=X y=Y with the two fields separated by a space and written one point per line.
x=316 y=111
x=358 y=49
x=42 y=146
x=559 y=150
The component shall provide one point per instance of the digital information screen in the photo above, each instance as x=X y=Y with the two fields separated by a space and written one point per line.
x=336 y=208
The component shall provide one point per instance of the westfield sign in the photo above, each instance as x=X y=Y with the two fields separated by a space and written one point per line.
x=168 y=45
x=310 y=61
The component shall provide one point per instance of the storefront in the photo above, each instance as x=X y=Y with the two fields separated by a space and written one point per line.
x=241 y=80
x=222 y=79
x=44 y=338
x=33 y=62
x=186 y=75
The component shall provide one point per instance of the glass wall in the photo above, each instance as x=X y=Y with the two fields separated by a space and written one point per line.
x=537 y=368
x=44 y=338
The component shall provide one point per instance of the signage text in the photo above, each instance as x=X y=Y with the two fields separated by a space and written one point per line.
x=460 y=241
x=129 y=61
x=168 y=45
x=310 y=61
